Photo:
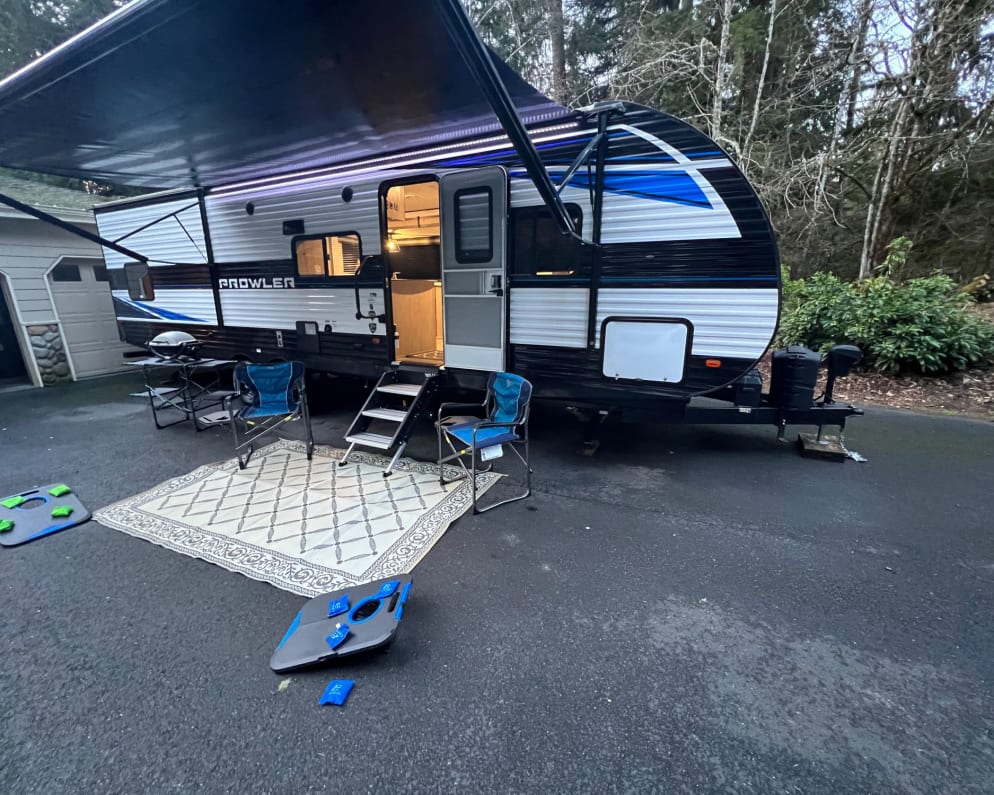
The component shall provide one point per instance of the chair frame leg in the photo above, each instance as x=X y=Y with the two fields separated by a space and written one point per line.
x=525 y=459
x=473 y=470
x=305 y=413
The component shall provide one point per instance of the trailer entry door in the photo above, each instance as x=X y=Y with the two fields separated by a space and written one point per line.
x=474 y=281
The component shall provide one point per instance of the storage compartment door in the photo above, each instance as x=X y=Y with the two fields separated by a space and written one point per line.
x=645 y=349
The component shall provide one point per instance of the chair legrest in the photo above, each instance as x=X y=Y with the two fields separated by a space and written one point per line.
x=505 y=422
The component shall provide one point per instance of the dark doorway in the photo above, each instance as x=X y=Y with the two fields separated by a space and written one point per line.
x=11 y=362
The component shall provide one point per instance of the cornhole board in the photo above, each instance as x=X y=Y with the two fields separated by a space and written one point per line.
x=33 y=517
x=343 y=623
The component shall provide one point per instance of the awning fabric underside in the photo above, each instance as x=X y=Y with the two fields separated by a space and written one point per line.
x=175 y=93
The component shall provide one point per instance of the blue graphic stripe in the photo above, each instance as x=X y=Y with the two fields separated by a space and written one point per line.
x=167 y=314
x=675 y=187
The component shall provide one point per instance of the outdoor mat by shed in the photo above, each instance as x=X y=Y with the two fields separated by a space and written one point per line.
x=308 y=527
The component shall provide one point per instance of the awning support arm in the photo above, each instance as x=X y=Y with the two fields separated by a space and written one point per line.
x=580 y=160
x=474 y=53
x=143 y=227
x=41 y=215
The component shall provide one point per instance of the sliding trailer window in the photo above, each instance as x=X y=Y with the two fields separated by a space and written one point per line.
x=538 y=248
x=319 y=256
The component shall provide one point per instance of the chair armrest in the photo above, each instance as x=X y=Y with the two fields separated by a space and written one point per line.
x=492 y=424
x=230 y=398
x=447 y=409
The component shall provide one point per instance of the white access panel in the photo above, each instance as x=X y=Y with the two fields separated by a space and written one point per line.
x=645 y=350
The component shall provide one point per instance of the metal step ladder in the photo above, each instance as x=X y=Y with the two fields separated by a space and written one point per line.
x=401 y=398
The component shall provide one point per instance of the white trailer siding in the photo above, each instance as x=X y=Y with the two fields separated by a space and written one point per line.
x=281 y=309
x=165 y=231
x=240 y=236
x=733 y=323
x=192 y=306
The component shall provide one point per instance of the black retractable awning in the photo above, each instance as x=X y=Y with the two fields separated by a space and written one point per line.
x=172 y=93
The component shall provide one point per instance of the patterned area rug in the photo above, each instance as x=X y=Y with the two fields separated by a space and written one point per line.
x=304 y=526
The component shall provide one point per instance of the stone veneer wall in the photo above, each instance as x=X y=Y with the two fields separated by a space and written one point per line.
x=49 y=351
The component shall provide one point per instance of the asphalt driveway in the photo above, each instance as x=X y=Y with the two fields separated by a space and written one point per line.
x=692 y=610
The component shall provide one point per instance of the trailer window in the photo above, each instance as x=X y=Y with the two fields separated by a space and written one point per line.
x=327 y=255
x=474 y=225
x=139 y=281
x=539 y=248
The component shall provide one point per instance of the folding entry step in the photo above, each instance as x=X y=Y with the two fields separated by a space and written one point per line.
x=390 y=414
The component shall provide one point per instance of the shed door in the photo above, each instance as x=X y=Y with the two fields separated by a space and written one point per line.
x=86 y=314
x=474 y=281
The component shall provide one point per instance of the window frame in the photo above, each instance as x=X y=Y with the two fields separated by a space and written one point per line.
x=473 y=256
x=532 y=214
x=325 y=277
x=64 y=267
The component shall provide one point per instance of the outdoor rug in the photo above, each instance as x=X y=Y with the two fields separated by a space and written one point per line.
x=304 y=526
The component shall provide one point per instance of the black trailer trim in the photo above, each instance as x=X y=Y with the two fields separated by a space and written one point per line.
x=598 y=213
x=211 y=263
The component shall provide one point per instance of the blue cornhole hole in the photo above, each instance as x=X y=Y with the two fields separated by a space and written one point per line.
x=343 y=623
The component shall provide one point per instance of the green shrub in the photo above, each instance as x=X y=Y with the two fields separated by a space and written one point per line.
x=921 y=325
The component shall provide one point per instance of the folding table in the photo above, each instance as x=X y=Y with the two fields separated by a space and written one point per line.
x=189 y=397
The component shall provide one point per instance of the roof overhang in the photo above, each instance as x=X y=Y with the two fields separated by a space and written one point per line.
x=72 y=216
x=202 y=93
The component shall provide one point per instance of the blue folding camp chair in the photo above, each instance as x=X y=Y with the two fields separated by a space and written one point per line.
x=505 y=422
x=271 y=395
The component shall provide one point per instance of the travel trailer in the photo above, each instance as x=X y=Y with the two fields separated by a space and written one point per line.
x=415 y=213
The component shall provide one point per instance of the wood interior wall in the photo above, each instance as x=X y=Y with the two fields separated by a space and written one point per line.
x=416 y=315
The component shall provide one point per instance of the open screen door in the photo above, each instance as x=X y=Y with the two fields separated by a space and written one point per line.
x=474 y=284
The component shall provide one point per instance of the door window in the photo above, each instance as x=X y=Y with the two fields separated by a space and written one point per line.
x=474 y=225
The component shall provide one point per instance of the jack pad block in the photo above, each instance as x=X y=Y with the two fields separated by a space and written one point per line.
x=828 y=449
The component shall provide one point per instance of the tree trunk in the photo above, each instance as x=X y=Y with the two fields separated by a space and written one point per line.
x=747 y=144
x=856 y=56
x=881 y=191
x=719 y=70
x=557 y=40
x=845 y=107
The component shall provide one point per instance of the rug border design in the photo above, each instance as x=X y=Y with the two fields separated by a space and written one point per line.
x=285 y=571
